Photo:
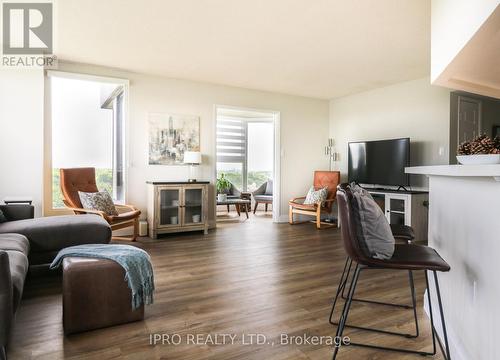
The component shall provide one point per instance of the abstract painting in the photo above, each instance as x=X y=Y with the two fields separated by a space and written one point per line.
x=170 y=135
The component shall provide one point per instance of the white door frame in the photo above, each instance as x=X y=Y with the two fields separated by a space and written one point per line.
x=277 y=155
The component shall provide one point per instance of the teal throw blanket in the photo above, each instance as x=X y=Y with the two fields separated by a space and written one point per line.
x=136 y=262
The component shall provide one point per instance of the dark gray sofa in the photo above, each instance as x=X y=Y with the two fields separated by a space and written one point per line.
x=14 y=250
x=26 y=241
x=48 y=235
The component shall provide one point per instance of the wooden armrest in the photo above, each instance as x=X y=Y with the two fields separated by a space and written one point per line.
x=88 y=211
x=298 y=198
x=322 y=203
x=126 y=206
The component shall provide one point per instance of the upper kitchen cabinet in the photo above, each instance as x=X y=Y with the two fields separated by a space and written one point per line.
x=465 y=45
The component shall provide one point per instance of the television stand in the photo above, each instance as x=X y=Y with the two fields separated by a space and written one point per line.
x=404 y=208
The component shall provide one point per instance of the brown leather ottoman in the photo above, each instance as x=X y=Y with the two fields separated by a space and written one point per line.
x=95 y=295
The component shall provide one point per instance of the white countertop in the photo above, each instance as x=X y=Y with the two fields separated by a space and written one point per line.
x=457 y=170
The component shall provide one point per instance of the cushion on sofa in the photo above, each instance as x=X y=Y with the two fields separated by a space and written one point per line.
x=18 y=264
x=2 y=217
x=57 y=232
x=16 y=242
x=15 y=212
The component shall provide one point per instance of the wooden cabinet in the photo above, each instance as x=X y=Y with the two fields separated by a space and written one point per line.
x=177 y=207
x=405 y=208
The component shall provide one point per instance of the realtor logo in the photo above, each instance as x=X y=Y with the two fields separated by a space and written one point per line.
x=27 y=28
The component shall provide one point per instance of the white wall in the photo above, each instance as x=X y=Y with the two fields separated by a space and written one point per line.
x=412 y=109
x=304 y=128
x=21 y=134
x=453 y=23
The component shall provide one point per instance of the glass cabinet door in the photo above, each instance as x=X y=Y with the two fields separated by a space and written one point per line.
x=193 y=206
x=396 y=209
x=169 y=203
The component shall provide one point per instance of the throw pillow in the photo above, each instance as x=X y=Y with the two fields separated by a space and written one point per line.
x=100 y=201
x=2 y=217
x=372 y=228
x=315 y=196
x=269 y=188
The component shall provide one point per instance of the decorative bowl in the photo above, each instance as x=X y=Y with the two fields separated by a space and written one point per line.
x=485 y=159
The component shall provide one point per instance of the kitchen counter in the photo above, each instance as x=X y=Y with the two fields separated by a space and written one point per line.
x=464 y=227
x=457 y=170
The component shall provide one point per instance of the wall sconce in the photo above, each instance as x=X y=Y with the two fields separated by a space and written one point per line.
x=333 y=156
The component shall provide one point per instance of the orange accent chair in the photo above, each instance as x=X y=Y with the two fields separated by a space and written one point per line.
x=83 y=179
x=322 y=179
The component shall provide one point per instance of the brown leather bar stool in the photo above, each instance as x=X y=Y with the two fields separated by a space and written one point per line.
x=406 y=235
x=406 y=257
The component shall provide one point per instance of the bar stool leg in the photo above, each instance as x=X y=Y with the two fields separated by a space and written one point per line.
x=433 y=331
x=404 y=306
x=342 y=286
x=342 y=283
x=347 y=305
x=441 y=312
x=413 y=301
x=345 y=311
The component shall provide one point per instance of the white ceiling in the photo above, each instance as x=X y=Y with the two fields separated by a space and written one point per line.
x=316 y=48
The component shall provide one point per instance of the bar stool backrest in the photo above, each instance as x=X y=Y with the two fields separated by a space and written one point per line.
x=348 y=226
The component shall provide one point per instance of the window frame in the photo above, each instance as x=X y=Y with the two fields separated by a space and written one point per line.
x=47 y=208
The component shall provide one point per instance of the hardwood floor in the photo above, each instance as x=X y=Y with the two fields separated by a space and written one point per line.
x=243 y=278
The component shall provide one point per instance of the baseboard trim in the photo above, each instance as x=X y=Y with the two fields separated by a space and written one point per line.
x=282 y=219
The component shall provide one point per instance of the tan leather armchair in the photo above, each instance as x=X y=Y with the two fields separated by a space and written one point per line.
x=83 y=179
x=322 y=179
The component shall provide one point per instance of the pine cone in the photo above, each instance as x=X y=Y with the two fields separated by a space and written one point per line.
x=479 y=138
x=464 y=148
x=478 y=148
x=482 y=144
x=487 y=143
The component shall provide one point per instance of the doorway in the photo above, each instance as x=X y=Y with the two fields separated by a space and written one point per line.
x=247 y=165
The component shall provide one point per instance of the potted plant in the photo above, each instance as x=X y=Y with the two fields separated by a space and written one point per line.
x=222 y=186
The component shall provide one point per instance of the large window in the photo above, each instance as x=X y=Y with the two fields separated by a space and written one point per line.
x=87 y=130
x=245 y=147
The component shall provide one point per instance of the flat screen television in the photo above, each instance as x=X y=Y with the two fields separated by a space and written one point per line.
x=379 y=162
